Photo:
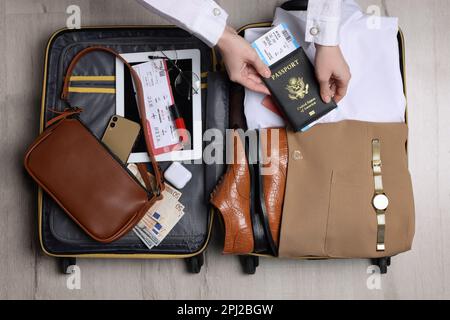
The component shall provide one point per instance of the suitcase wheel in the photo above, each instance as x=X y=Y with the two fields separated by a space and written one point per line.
x=249 y=264
x=66 y=265
x=195 y=263
x=383 y=264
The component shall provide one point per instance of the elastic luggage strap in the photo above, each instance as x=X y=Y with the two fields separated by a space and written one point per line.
x=141 y=104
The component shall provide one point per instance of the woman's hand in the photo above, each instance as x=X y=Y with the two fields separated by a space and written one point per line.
x=332 y=72
x=242 y=62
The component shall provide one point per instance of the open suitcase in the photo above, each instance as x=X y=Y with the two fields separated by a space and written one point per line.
x=251 y=261
x=94 y=85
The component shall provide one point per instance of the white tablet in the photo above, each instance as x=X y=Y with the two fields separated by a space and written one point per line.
x=191 y=109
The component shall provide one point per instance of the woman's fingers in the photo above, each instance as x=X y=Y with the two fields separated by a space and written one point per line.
x=253 y=85
x=341 y=91
x=252 y=74
x=331 y=69
x=256 y=62
x=325 y=91
x=242 y=62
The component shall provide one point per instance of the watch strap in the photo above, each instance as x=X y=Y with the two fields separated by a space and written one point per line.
x=378 y=184
x=381 y=228
x=376 y=166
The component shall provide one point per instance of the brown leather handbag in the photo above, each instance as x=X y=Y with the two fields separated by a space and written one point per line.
x=84 y=177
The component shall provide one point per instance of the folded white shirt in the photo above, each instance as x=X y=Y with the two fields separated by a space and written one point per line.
x=375 y=92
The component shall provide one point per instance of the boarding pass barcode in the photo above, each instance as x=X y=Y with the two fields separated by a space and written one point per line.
x=287 y=35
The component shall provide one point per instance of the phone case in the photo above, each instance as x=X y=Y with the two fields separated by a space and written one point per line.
x=120 y=136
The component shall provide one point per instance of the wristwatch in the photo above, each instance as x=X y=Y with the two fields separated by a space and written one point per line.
x=380 y=200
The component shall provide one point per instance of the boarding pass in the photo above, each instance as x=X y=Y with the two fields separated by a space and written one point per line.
x=158 y=99
x=275 y=44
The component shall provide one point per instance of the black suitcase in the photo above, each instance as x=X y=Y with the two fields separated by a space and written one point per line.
x=59 y=236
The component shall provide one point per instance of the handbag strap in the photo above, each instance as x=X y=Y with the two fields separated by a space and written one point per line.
x=141 y=104
x=62 y=115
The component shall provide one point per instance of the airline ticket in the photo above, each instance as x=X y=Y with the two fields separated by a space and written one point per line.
x=275 y=44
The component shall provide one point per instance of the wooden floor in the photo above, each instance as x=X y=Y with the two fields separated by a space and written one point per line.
x=26 y=273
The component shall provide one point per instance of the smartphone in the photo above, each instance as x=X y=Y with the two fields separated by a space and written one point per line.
x=120 y=136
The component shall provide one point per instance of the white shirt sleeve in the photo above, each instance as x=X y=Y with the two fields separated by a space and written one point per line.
x=204 y=18
x=323 y=21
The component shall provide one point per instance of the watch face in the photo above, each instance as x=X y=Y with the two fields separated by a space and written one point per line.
x=380 y=202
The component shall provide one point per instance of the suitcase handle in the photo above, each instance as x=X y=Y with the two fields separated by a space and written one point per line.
x=295 y=5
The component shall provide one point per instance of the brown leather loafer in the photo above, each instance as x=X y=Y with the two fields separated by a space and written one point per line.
x=232 y=198
x=274 y=184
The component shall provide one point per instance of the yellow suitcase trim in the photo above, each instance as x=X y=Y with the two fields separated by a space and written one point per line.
x=93 y=78
x=92 y=90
